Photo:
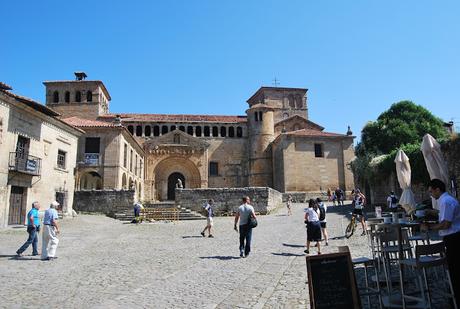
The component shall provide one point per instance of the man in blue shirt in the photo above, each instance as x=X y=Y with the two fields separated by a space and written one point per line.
x=50 y=232
x=33 y=228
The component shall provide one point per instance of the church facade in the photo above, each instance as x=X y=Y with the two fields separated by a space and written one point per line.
x=274 y=144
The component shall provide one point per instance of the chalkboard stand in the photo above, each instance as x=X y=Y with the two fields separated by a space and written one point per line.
x=332 y=282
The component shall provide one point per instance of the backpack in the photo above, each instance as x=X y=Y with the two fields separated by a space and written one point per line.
x=322 y=213
x=394 y=199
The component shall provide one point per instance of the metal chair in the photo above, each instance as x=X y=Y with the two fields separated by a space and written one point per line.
x=427 y=256
x=367 y=290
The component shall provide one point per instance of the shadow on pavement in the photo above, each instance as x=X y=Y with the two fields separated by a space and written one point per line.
x=287 y=254
x=193 y=236
x=294 y=246
x=220 y=257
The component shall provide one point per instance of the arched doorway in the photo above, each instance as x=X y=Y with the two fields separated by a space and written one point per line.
x=172 y=182
x=124 y=184
x=91 y=181
x=162 y=184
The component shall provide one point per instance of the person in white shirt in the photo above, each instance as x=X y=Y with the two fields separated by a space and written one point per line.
x=359 y=200
x=245 y=211
x=50 y=232
x=392 y=201
x=209 y=221
x=313 y=225
x=449 y=229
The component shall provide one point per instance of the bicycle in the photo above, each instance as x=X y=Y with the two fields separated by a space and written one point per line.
x=351 y=227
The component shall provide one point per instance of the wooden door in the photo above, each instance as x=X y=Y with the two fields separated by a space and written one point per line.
x=17 y=213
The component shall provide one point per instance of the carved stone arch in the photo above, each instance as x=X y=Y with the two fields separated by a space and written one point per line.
x=174 y=164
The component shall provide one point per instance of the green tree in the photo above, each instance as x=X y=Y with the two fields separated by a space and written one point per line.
x=403 y=124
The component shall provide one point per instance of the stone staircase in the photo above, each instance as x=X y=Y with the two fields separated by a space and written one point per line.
x=127 y=214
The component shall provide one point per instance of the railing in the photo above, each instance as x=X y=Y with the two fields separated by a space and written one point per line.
x=24 y=163
x=92 y=159
x=160 y=214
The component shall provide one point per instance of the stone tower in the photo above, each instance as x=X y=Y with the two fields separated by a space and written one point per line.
x=286 y=102
x=261 y=134
x=81 y=98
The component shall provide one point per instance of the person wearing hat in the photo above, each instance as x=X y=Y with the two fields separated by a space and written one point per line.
x=50 y=232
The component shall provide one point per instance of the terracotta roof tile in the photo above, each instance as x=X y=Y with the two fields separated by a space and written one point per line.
x=4 y=86
x=31 y=103
x=79 y=122
x=314 y=133
x=176 y=118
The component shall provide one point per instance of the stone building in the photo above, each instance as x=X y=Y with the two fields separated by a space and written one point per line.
x=37 y=157
x=273 y=145
x=108 y=157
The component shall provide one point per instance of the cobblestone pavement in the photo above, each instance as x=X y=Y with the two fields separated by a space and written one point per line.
x=104 y=263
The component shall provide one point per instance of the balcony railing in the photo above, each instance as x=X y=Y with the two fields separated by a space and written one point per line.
x=92 y=159
x=24 y=163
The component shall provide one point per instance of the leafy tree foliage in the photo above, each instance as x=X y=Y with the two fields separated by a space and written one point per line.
x=403 y=124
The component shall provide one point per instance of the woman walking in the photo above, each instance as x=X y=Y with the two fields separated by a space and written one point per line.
x=322 y=219
x=313 y=225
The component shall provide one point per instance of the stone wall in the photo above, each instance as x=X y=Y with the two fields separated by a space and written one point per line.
x=107 y=202
x=378 y=193
x=227 y=200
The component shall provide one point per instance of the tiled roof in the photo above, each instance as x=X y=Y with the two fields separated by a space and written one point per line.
x=310 y=124
x=31 y=103
x=314 y=133
x=176 y=118
x=4 y=86
x=79 y=122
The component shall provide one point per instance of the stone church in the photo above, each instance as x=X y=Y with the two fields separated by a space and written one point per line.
x=274 y=144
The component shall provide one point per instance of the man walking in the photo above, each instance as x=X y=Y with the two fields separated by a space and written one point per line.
x=50 y=232
x=245 y=211
x=33 y=228
x=449 y=229
x=209 y=221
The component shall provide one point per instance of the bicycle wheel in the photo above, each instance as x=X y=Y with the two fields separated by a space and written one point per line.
x=350 y=229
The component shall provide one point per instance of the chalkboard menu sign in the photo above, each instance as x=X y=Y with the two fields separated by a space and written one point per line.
x=331 y=281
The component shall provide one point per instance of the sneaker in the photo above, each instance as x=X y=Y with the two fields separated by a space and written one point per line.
x=306 y=251
x=363 y=234
x=202 y=234
x=210 y=236
x=327 y=244
x=35 y=254
x=241 y=254
x=18 y=254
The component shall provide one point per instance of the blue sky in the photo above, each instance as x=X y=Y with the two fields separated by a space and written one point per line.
x=208 y=57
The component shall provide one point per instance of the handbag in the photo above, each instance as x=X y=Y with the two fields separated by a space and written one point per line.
x=252 y=222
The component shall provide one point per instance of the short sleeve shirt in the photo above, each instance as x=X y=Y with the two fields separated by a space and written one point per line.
x=245 y=211
x=209 y=210
x=449 y=210
x=50 y=214
x=312 y=214
x=389 y=201
x=325 y=210
x=33 y=213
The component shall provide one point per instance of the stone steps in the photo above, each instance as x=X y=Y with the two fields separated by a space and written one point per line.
x=184 y=213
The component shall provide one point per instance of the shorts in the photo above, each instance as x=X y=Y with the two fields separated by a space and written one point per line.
x=358 y=212
x=209 y=221
x=314 y=231
x=323 y=224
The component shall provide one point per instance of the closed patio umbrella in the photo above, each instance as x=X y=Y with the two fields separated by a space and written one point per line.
x=403 y=171
x=435 y=163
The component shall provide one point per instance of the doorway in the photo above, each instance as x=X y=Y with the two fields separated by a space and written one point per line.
x=172 y=181
x=17 y=213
